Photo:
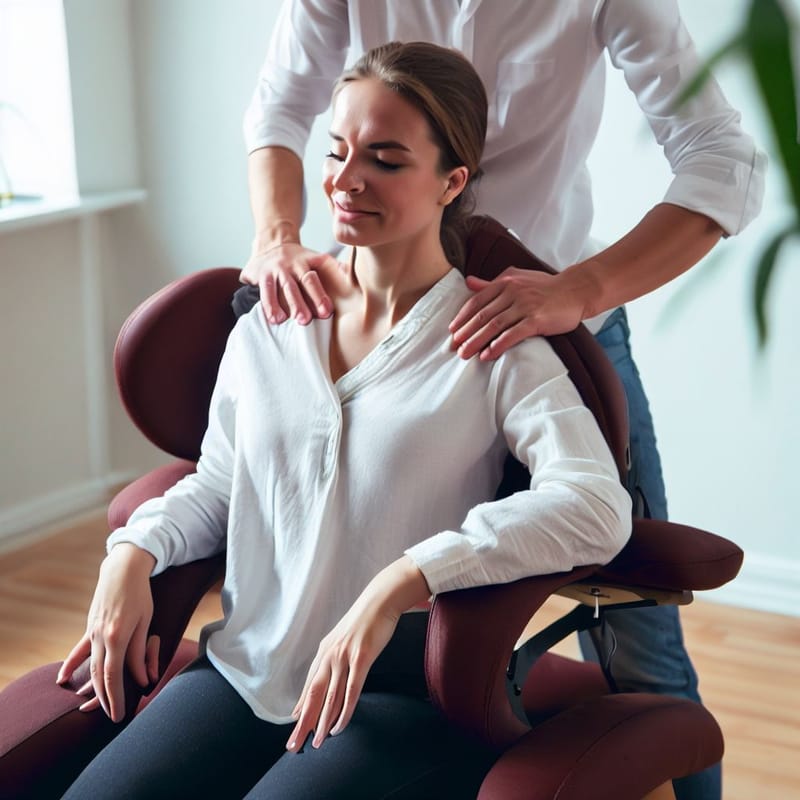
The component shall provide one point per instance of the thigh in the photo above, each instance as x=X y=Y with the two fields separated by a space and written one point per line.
x=197 y=738
x=396 y=747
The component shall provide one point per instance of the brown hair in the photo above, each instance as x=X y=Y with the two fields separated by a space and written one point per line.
x=445 y=87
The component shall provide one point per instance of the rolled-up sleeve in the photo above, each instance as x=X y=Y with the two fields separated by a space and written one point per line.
x=306 y=54
x=575 y=512
x=718 y=169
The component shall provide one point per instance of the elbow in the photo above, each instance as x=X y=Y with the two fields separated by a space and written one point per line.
x=613 y=523
x=619 y=524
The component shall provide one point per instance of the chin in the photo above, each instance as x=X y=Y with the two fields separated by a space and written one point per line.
x=350 y=235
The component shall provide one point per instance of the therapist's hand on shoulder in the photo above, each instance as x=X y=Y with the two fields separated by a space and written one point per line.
x=286 y=275
x=116 y=632
x=516 y=305
x=344 y=657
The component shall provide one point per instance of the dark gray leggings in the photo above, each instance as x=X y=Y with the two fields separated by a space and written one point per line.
x=198 y=738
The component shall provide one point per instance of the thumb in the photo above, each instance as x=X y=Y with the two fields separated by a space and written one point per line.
x=136 y=655
x=475 y=283
x=151 y=657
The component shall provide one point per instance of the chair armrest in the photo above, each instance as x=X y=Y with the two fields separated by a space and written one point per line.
x=474 y=631
x=666 y=555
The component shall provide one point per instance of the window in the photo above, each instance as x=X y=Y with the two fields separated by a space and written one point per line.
x=37 y=152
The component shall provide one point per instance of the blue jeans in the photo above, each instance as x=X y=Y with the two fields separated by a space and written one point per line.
x=650 y=655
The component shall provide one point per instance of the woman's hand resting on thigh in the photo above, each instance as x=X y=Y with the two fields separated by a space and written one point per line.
x=345 y=655
x=116 y=631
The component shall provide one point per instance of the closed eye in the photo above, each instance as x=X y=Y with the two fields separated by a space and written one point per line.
x=334 y=156
x=388 y=166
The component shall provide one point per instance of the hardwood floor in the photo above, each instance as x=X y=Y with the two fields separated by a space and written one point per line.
x=749 y=662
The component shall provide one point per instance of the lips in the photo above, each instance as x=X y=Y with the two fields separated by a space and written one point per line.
x=349 y=213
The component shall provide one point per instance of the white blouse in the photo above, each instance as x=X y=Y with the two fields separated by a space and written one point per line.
x=313 y=486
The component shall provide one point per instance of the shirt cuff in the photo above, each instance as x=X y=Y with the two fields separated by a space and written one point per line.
x=448 y=562
x=145 y=541
x=730 y=195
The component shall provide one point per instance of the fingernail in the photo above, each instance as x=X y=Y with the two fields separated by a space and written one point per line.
x=291 y=745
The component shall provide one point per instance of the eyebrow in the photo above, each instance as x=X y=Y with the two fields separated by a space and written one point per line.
x=389 y=144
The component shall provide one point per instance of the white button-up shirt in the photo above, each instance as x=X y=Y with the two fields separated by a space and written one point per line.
x=314 y=486
x=542 y=64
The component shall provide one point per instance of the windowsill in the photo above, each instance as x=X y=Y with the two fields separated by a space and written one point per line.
x=34 y=213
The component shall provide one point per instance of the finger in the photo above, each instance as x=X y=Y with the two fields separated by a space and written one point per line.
x=269 y=301
x=297 y=304
x=475 y=283
x=136 y=654
x=464 y=323
x=86 y=689
x=112 y=682
x=89 y=705
x=506 y=340
x=309 y=714
x=76 y=657
x=488 y=325
x=331 y=710
x=312 y=672
x=96 y=668
x=151 y=658
x=354 y=687
x=317 y=295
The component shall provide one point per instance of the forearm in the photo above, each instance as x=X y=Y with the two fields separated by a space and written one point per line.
x=397 y=588
x=667 y=242
x=275 y=180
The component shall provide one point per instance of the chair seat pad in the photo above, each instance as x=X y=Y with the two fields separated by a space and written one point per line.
x=582 y=752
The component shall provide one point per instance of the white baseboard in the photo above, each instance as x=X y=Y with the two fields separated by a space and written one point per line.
x=765 y=583
x=21 y=522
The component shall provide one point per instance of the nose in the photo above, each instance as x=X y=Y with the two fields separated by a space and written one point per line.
x=348 y=178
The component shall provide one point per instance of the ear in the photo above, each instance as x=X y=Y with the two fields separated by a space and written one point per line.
x=457 y=179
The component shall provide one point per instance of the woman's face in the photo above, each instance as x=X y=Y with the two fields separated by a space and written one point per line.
x=382 y=176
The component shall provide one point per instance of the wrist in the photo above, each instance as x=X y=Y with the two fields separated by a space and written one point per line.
x=399 y=587
x=582 y=283
x=134 y=558
x=274 y=235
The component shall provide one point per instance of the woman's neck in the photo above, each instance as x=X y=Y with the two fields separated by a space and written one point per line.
x=385 y=282
x=372 y=292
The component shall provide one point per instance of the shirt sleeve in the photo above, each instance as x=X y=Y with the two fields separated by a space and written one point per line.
x=718 y=170
x=576 y=511
x=305 y=56
x=190 y=520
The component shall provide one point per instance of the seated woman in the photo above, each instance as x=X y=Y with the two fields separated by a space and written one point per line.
x=333 y=476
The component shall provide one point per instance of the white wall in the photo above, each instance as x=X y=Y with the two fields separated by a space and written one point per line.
x=49 y=464
x=726 y=419
x=726 y=416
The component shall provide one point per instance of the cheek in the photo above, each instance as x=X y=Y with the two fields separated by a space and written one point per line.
x=327 y=181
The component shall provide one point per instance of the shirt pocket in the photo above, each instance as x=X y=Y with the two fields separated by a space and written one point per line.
x=521 y=88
